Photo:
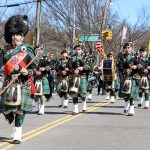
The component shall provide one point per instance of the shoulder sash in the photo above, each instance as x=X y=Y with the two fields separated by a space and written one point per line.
x=13 y=62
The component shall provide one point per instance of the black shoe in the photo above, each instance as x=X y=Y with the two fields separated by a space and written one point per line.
x=16 y=142
x=40 y=113
x=146 y=107
x=74 y=113
x=65 y=107
x=48 y=100
x=139 y=105
x=59 y=105
x=84 y=111
x=125 y=111
x=130 y=114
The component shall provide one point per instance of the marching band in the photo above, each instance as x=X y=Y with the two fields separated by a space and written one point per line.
x=26 y=75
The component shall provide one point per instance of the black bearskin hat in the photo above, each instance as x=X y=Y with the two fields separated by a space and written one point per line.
x=17 y=24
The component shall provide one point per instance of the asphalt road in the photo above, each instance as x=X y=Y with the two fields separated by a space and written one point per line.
x=103 y=127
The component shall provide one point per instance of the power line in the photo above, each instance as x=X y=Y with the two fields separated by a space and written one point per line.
x=29 y=9
x=2 y=14
x=17 y=4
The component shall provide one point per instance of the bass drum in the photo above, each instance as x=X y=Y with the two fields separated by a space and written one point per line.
x=108 y=70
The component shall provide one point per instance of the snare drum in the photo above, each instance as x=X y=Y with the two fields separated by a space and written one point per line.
x=92 y=78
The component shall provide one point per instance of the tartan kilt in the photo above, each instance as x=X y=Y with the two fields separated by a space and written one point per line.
x=26 y=102
x=116 y=84
x=134 y=90
x=83 y=85
x=45 y=83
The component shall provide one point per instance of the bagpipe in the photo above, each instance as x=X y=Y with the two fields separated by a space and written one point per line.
x=74 y=83
x=63 y=75
x=141 y=79
x=17 y=76
x=62 y=82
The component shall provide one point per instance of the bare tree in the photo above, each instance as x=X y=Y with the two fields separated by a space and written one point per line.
x=57 y=23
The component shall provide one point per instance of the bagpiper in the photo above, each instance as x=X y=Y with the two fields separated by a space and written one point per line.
x=92 y=81
x=42 y=85
x=129 y=81
x=143 y=83
x=62 y=69
x=79 y=81
x=16 y=98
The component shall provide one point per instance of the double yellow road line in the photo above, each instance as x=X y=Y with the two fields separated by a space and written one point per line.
x=35 y=132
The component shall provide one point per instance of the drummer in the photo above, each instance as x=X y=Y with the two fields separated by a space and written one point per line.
x=111 y=82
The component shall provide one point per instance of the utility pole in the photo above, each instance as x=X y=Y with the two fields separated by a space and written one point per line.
x=74 y=26
x=123 y=36
x=104 y=23
x=37 y=25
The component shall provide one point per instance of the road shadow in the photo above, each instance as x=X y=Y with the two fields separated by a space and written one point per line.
x=111 y=106
x=46 y=112
x=106 y=113
x=52 y=107
x=68 y=112
x=88 y=101
x=54 y=113
x=6 y=140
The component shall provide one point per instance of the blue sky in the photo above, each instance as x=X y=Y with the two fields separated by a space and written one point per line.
x=128 y=8
x=11 y=11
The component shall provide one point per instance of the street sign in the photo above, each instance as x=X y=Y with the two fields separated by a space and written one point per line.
x=90 y=38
